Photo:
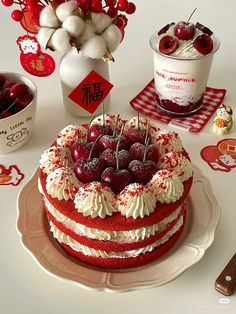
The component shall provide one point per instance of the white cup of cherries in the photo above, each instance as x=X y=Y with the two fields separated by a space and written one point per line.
x=17 y=110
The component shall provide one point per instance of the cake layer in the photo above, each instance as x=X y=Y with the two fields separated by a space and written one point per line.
x=127 y=262
x=115 y=236
x=124 y=252
x=116 y=222
x=111 y=246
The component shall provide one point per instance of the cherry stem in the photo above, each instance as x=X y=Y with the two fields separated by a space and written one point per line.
x=103 y=115
x=117 y=148
x=11 y=105
x=91 y=151
x=145 y=151
x=117 y=119
x=89 y=128
x=138 y=121
x=191 y=15
x=147 y=132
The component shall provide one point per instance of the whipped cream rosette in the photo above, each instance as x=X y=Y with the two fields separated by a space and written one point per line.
x=142 y=123
x=166 y=186
x=178 y=163
x=55 y=157
x=71 y=134
x=95 y=199
x=136 y=201
x=109 y=119
x=167 y=141
x=62 y=184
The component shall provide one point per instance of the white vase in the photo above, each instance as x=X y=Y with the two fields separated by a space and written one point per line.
x=74 y=67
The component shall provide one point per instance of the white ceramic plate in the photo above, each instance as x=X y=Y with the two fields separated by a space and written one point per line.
x=198 y=235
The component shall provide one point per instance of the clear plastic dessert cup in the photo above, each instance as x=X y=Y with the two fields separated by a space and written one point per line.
x=180 y=82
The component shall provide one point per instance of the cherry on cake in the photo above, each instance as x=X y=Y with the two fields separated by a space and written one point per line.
x=114 y=191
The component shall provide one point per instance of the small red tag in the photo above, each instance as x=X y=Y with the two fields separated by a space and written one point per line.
x=32 y=59
x=28 y=23
x=38 y=65
x=222 y=156
x=11 y=175
x=91 y=92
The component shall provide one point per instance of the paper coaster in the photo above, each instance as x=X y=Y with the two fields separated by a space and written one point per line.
x=145 y=103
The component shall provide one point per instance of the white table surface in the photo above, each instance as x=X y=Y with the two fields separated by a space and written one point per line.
x=24 y=286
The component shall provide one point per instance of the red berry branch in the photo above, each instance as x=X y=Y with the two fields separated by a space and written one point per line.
x=110 y=7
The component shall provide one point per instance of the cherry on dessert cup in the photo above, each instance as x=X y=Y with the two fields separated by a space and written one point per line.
x=17 y=111
x=180 y=82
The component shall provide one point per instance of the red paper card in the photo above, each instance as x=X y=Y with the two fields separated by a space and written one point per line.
x=222 y=156
x=32 y=59
x=11 y=175
x=91 y=92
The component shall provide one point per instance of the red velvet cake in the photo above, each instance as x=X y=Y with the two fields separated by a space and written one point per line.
x=114 y=192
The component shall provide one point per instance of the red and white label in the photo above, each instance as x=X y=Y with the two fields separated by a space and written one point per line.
x=181 y=81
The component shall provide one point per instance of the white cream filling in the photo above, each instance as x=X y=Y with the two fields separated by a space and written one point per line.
x=78 y=247
x=99 y=234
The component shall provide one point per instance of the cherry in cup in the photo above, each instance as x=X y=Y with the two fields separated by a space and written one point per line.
x=184 y=30
x=14 y=96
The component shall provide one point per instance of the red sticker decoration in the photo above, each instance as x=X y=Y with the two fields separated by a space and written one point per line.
x=91 y=92
x=11 y=175
x=32 y=59
x=222 y=156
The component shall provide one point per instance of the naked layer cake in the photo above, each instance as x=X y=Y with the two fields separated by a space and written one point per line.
x=114 y=191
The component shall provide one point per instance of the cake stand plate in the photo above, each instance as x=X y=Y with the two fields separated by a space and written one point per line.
x=202 y=218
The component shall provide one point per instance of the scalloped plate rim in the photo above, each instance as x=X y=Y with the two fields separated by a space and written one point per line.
x=107 y=285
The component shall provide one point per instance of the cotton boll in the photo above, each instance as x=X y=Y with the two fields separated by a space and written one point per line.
x=44 y=35
x=48 y=17
x=74 y=25
x=88 y=32
x=95 y=47
x=65 y=9
x=112 y=36
x=60 y=40
x=101 y=21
